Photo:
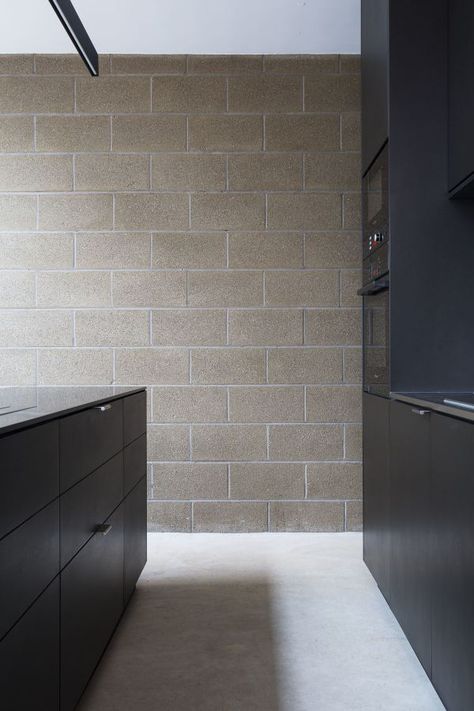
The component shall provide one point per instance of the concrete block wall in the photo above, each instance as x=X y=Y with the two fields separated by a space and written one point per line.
x=192 y=224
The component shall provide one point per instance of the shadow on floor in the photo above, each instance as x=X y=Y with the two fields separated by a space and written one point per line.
x=190 y=647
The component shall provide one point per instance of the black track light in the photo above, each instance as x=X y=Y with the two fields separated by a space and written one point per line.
x=71 y=22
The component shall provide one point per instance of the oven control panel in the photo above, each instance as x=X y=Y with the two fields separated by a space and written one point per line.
x=375 y=240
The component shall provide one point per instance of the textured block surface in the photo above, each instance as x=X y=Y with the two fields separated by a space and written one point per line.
x=192 y=224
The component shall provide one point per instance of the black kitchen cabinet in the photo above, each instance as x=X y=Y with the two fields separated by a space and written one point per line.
x=461 y=97
x=29 y=657
x=29 y=560
x=453 y=571
x=88 y=504
x=134 y=557
x=405 y=65
x=429 y=100
x=429 y=535
x=72 y=543
x=91 y=605
x=88 y=439
x=30 y=473
x=376 y=497
x=375 y=65
x=410 y=525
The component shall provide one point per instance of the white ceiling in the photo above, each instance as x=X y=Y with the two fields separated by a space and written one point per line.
x=188 y=26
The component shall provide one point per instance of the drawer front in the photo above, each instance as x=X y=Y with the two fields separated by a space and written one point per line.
x=134 y=463
x=29 y=473
x=29 y=657
x=91 y=605
x=87 y=440
x=134 y=416
x=135 y=541
x=89 y=503
x=29 y=560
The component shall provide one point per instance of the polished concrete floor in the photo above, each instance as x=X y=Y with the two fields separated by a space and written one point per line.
x=258 y=622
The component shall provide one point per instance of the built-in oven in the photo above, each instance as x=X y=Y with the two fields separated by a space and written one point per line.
x=375 y=290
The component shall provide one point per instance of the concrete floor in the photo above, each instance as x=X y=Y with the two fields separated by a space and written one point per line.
x=258 y=622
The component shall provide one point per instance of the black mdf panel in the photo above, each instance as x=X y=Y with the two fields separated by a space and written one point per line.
x=88 y=439
x=431 y=236
x=134 y=463
x=29 y=473
x=91 y=605
x=134 y=416
x=29 y=657
x=411 y=526
x=88 y=504
x=453 y=576
x=375 y=57
x=461 y=94
x=29 y=560
x=376 y=499
x=135 y=538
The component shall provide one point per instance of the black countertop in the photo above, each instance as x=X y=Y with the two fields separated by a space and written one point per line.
x=436 y=402
x=22 y=407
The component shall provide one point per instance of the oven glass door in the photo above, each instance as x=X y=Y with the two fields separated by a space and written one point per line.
x=375 y=204
x=376 y=350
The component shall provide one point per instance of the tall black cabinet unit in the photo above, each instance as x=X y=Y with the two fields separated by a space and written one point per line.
x=405 y=66
x=417 y=60
x=461 y=98
x=374 y=41
x=72 y=542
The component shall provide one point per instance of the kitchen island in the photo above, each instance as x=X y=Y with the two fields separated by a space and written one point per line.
x=72 y=534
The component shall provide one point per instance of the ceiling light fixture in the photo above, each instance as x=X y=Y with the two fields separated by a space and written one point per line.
x=71 y=22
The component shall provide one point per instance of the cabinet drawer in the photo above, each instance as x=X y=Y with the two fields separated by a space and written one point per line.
x=134 y=463
x=135 y=541
x=91 y=605
x=134 y=416
x=89 y=503
x=30 y=473
x=29 y=657
x=87 y=440
x=29 y=560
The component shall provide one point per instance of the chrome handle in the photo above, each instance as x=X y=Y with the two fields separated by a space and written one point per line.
x=103 y=528
x=103 y=408
x=420 y=412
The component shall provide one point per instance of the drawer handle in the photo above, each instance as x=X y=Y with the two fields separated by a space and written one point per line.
x=103 y=528
x=103 y=408
x=420 y=412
